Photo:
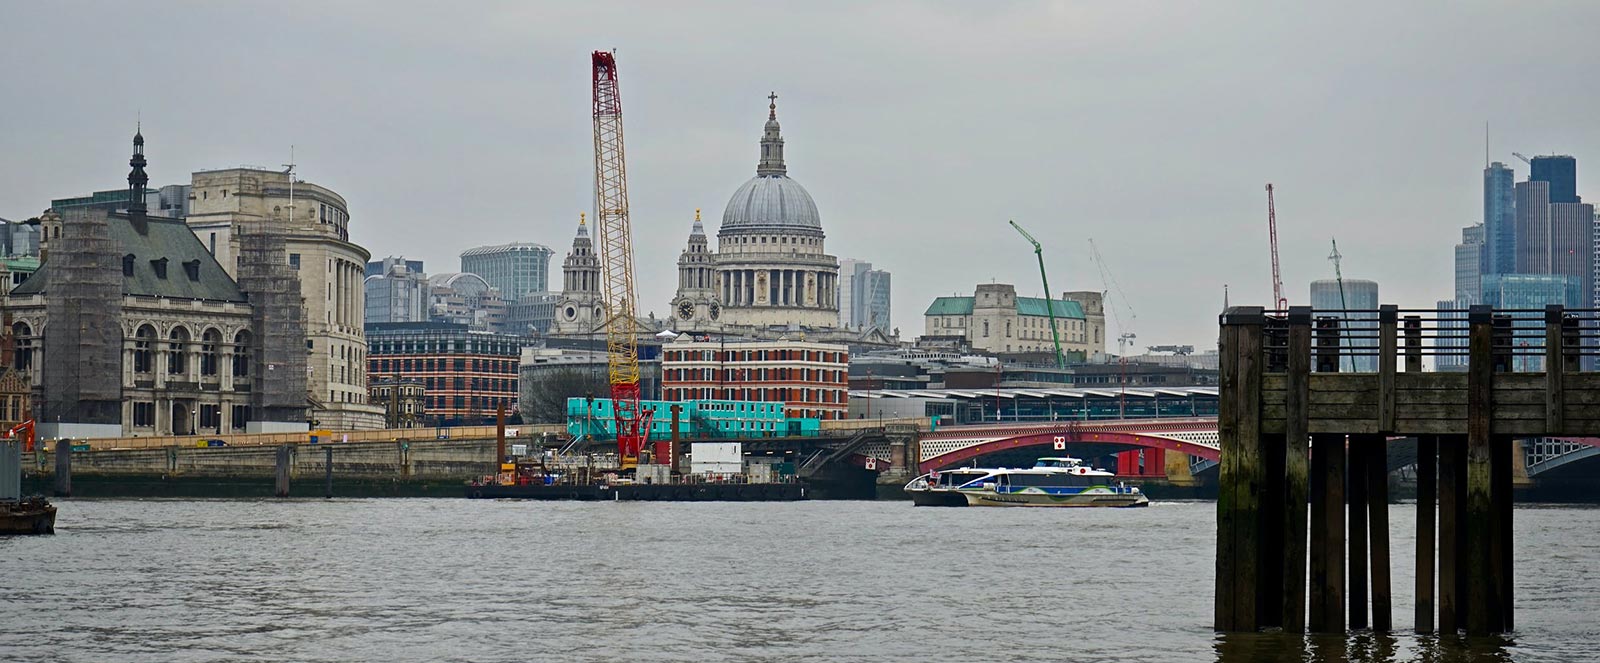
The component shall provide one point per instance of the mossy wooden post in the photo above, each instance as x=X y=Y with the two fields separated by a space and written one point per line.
x=1427 y=492
x=1377 y=477
x=327 y=472
x=1327 y=505
x=1238 y=498
x=1296 y=475
x=1356 y=491
x=280 y=487
x=1482 y=611
x=63 y=452
x=1452 y=533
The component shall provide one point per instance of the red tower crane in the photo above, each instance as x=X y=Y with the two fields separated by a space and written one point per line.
x=616 y=261
x=1272 y=231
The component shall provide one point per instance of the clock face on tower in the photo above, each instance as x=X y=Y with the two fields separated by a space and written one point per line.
x=685 y=309
x=715 y=311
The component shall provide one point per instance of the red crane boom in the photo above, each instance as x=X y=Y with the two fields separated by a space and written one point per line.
x=1272 y=231
x=616 y=261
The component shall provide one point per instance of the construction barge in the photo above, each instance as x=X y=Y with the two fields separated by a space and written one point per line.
x=644 y=492
x=722 y=475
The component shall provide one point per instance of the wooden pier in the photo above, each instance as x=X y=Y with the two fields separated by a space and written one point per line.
x=1308 y=403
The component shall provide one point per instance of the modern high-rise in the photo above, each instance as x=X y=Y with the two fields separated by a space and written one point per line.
x=1331 y=298
x=863 y=295
x=1533 y=228
x=397 y=291
x=1561 y=172
x=1499 y=220
x=1572 y=236
x=1470 y=259
x=515 y=269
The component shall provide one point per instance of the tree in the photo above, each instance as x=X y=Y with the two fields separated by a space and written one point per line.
x=544 y=400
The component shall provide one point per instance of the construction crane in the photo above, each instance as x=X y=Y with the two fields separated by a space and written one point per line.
x=1272 y=232
x=616 y=261
x=1125 y=334
x=1524 y=159
x=1344 y=304
x=1049 y=306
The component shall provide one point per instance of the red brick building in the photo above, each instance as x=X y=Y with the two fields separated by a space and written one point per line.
x=810 y=379
x=466 y=374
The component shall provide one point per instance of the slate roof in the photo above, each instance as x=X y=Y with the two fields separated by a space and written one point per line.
x=1025 y=306
x=165 y=238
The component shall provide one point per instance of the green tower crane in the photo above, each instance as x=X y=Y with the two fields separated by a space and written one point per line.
x=1049 y=306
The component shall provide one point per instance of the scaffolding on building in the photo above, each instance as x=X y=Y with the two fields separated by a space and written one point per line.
x=82 y=379
x=278 y=385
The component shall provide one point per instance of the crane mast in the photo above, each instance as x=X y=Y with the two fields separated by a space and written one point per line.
x=1272 y=232
x=616 y=261
x=1049 y=306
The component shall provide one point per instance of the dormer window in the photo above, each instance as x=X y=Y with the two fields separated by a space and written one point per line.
x=160 y=267
x=127 y=265
x=192 y=270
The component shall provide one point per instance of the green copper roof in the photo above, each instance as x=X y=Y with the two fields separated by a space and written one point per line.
x=165 y=238
x=1025 y=306
x=950 y=306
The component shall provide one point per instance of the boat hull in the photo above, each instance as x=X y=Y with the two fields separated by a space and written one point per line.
x=937 y=498
x=1080 y=500
x=28 y=518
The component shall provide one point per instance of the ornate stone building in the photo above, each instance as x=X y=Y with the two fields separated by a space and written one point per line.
x=770 y=268
x=580 y=308
x=315 y=222
x=131 y=327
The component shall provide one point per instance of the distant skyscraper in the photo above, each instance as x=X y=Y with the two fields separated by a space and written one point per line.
x=863 y=295
x=1533 y=228
x=1561 y=172
x=381 y=267
x=513 y=269
x=1355 y=295
x=396 y=293
x=1572 y=245
x=1470 y=259
x=1499 y=220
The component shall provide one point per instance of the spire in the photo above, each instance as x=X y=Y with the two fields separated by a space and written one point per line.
x=771 y=143
x=583 y=227
x=698 y=228
x=137 y=179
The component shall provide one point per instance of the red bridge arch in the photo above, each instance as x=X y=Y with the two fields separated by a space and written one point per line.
x=1048 y=440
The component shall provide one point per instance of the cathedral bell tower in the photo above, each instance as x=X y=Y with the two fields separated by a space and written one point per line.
x=695 y=306
x=580 y=308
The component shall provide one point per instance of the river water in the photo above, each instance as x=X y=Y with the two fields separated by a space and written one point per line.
x=460 y=580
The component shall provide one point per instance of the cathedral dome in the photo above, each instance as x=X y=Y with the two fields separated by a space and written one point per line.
x=767 y=201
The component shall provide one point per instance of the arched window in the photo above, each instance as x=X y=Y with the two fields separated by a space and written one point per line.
x=241 y=354
x=143 y=360
x=208 y=351
x=22 y=360
x=177 y=361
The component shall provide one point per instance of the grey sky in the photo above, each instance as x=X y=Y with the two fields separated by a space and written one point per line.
x=919 y=128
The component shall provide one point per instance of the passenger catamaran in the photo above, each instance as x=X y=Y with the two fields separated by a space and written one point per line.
x=1050 y=482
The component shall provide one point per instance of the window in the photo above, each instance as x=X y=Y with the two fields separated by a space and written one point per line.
x=127 y=265
x=294 y=261
x=241 y=355
x=177 y=357
x=211 y=416
x=208 y=352
x=986 y=329
x=142 y=341
x=144 y=415
x=241 y=416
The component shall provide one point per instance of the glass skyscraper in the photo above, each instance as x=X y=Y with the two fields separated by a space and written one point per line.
x=514 y=269
x=1561 y=171
x=1328 y=297
x=1499 y=220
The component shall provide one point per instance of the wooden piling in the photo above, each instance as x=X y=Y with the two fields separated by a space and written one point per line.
x=327 y=472
x=1327 y=505
x=1240 y=479
x=1356 y=487
x=1481 y=598
x=1377 y=479
x=63 y=451
x=1500 y=545
x=1427 y=493
x=1296 y=468
x=281 y=485
x=1452 y=461
x=499 y=438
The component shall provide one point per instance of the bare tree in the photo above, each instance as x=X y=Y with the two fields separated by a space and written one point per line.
x=544 y=401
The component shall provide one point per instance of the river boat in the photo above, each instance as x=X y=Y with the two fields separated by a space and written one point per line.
x=30 y=515
x=1057 y=481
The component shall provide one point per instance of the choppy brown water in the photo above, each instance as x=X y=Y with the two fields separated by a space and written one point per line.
x=459 y=580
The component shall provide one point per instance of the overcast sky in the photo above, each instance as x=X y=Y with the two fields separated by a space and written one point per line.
x=919 y=128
